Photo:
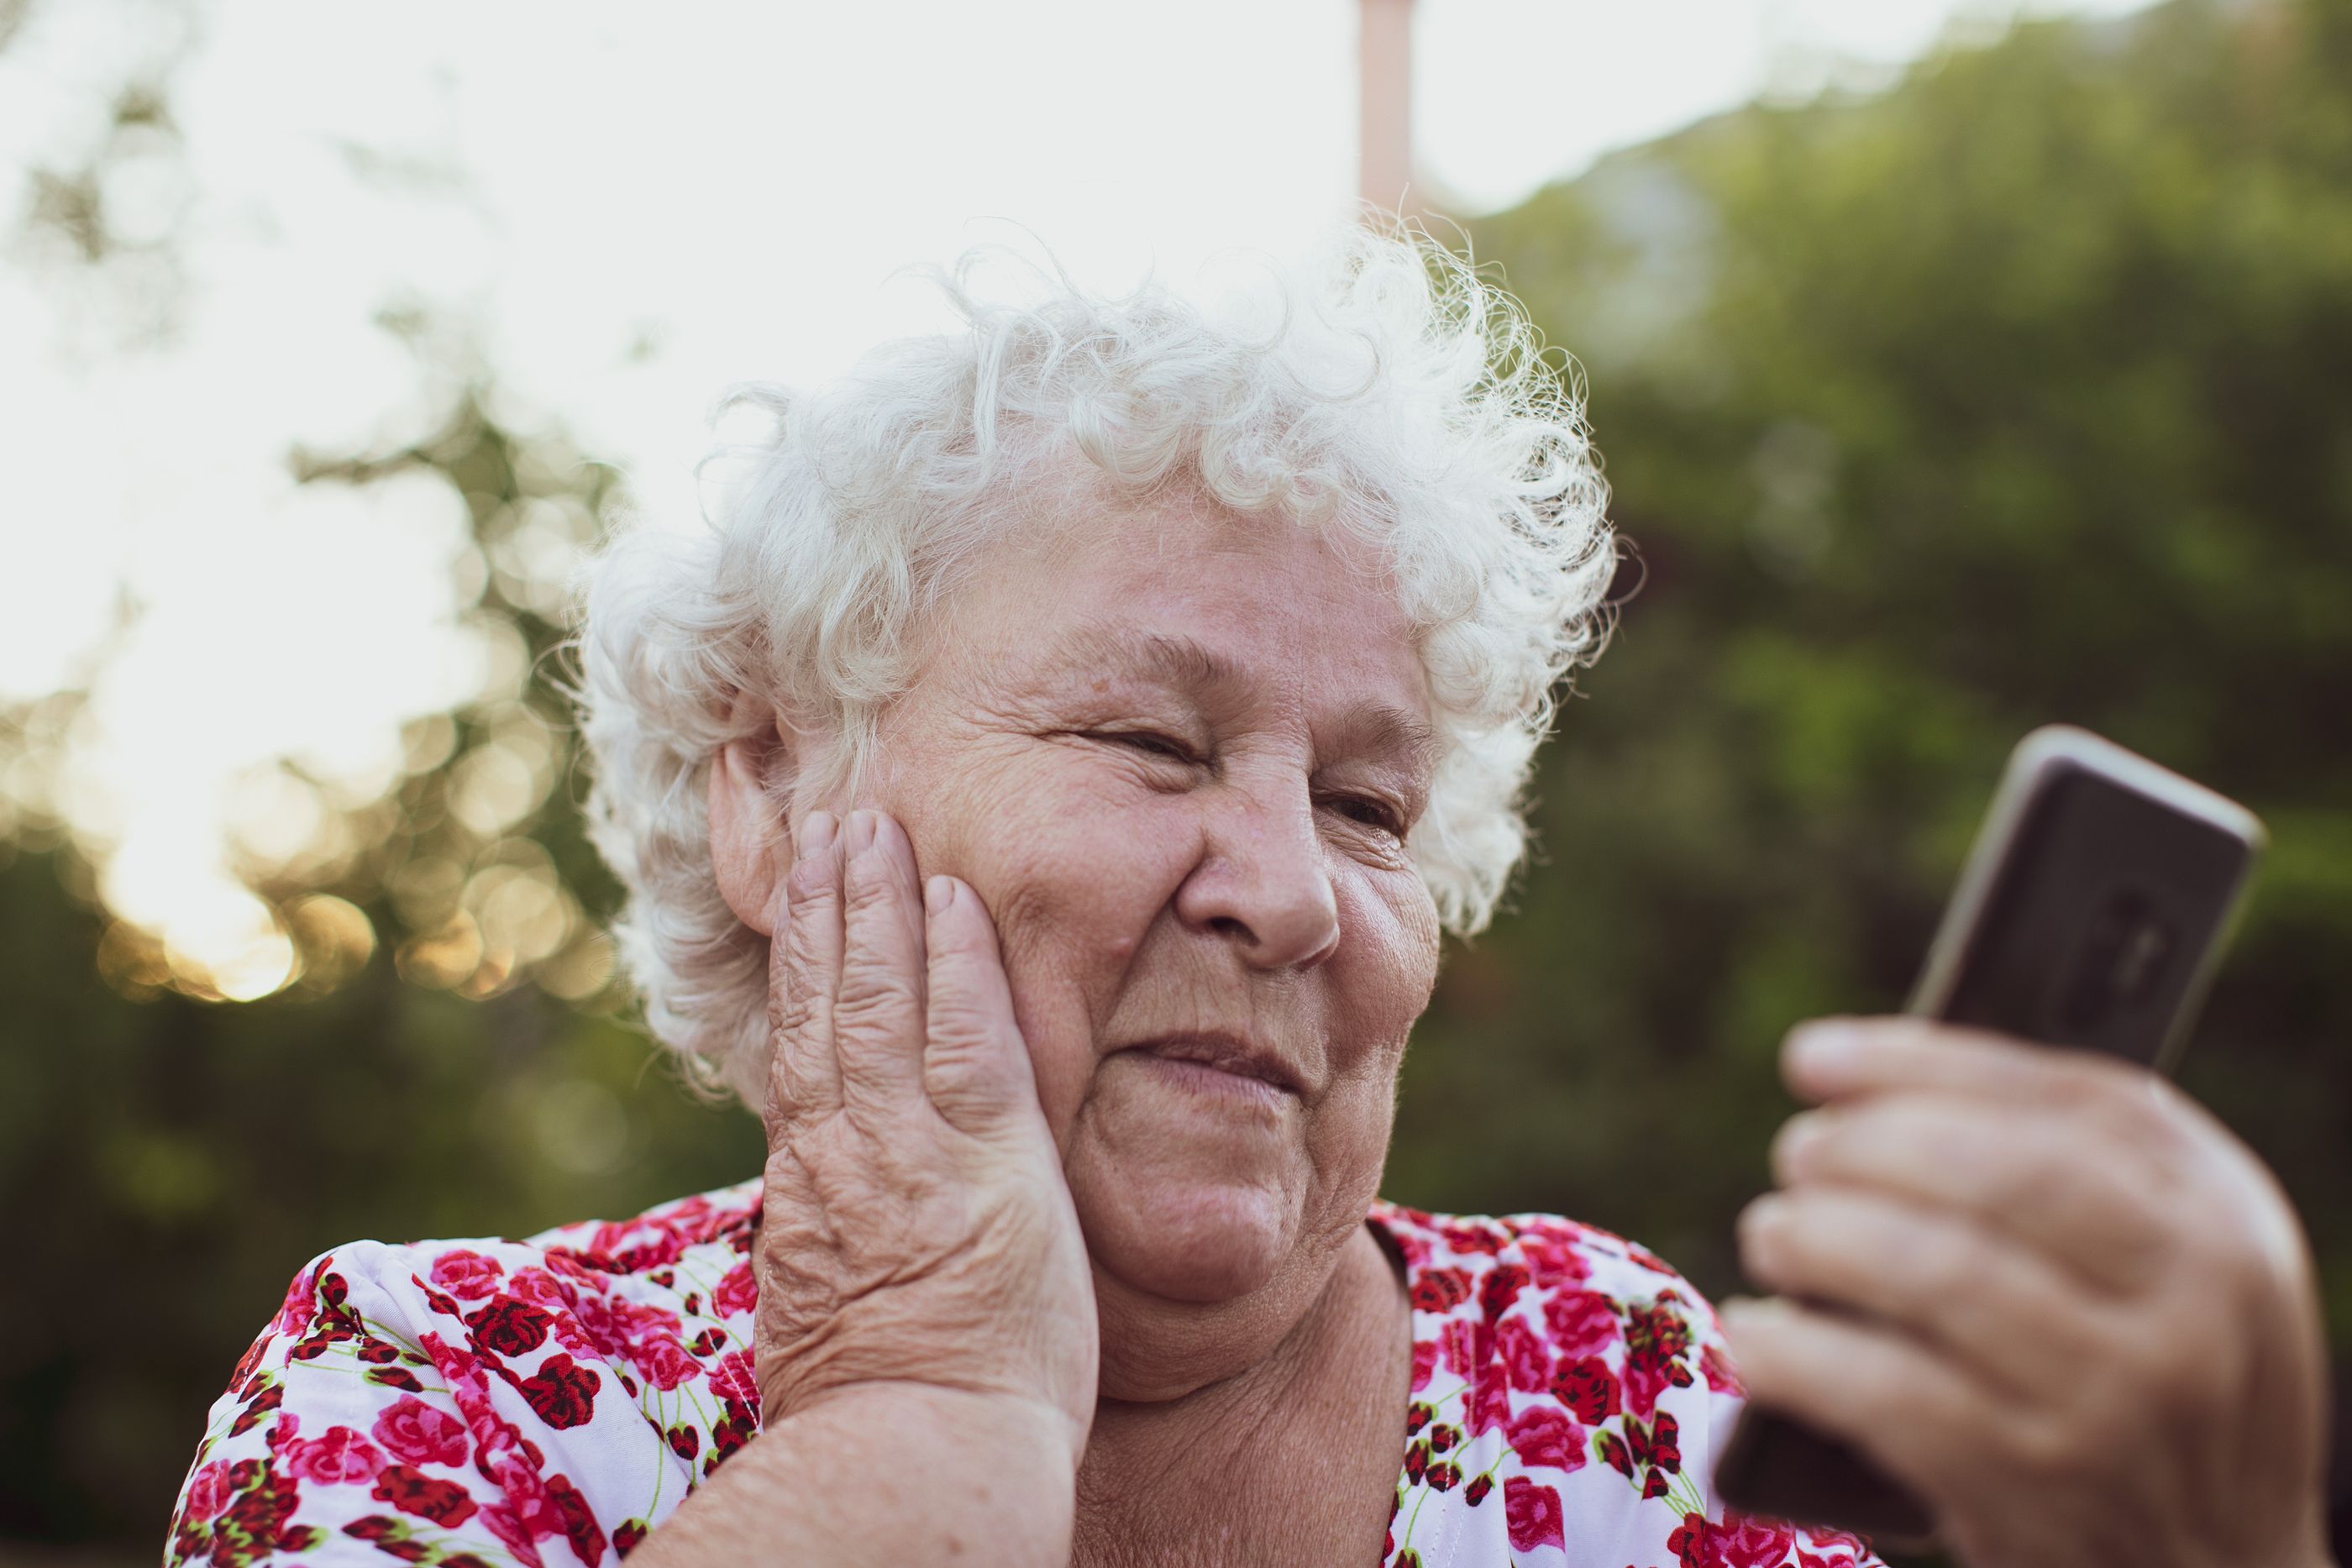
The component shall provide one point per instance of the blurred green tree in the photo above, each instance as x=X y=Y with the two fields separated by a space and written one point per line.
x=2013 y=394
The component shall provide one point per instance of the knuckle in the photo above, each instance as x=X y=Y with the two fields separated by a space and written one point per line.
x=810 y=882
x=875 y=995
x=2044 y=1442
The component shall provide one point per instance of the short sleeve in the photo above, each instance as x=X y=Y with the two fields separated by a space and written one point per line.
x=377 y=1414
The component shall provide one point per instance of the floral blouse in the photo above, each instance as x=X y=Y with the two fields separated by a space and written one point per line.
x=552 y=1400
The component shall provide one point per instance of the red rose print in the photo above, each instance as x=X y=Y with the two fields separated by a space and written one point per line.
x=1689 y=1542
x=1656 y=1484
x=341 y=1455
x=413 y=1491
x=628 y=1534
x=509 y=1327
x=665 y=1362
x=1588 y=1388
x=1475 y=1492
x=1490 y=1404
x=564 y=1392
x=499 y=1520
x=1542 y=1436
x=1524 y=1360
x=1844 y=1551
x=736 y=1293
x=1736 y=1540
x=374 y=1527
x=1469 y=1238
x=1657 y=1445
x=397 y=1377
x=684 y=1440
x=260 y=1404
x=580 y=1526
x=1582 y=1322
x=733 y=1381
x=413 y=1431
x=1745 y=1540
x=1532 y=1514
x=209 y=1491
x=296 y=1310
x=467 y=1274
x=1500 y=1288
x=1645 y=1379
x=1416 y=1460
x=541 y=1288
x=1442 y=1478
x=1458 y=1341
x=1440 y=1290
x=1424 y=1361
x=732 y=1433
x=1416 y=1416
x=1554 y=1263
x=1614 y=1453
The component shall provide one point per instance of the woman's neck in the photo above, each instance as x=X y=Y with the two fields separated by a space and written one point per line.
x=1329 y=1399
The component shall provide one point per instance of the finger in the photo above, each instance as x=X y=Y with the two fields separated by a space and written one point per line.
x=805 y=1080
x=1835 y=1059
x=975 y=1065
x=1927 y=1422
x=877 y=1012
x=2015 y=1319
x=2070 y=1184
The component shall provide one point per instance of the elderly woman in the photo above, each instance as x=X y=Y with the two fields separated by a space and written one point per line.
x=1041 y=797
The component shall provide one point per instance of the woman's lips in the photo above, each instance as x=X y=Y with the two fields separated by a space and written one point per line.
x=1213 y=1081
x=1232 y=1055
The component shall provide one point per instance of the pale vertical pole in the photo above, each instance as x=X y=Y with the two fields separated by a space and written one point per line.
x=1384 y=121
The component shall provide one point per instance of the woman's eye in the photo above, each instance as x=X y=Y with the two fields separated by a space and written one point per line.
x=1155 y=744
x=1371 y=812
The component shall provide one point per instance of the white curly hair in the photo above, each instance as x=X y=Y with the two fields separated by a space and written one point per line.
x=1385 y=389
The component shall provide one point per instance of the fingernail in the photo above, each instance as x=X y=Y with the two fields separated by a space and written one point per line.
x=1825 y=1047
x=937 y=894
x=1798 y=1137
x=861 y=832
x=816 y=833
x=1762 y=1214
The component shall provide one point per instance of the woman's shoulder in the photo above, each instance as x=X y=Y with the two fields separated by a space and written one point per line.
x=1567 y=1373
x=484 y=1394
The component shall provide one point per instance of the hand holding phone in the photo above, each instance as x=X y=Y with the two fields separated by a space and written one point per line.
x=2089 y=916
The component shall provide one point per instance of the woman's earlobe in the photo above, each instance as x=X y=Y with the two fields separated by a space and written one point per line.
x=750 y=842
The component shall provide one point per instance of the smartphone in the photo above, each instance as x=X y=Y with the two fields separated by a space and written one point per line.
x=2091 y=914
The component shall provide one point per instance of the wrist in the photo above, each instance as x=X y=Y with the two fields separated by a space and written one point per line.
x=1008 y=1420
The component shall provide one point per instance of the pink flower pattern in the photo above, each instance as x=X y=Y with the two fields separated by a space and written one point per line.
x=1541 y=1345
x=552 y=1400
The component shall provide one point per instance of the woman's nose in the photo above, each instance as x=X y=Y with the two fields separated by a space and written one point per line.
x=1264 y=882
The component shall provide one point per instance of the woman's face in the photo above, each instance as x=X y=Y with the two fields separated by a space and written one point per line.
x=1176 y=754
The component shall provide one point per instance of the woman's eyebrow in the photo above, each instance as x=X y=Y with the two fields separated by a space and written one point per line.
x=1183 y=664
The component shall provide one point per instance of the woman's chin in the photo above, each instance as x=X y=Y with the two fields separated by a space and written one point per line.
x=1202 y=1242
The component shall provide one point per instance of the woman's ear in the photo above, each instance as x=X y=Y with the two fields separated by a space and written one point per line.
x=750 y=839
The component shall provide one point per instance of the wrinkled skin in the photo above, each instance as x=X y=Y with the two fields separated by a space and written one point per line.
x=2095 y=1334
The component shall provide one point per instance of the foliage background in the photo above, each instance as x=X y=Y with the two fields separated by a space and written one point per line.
x=2016 y=392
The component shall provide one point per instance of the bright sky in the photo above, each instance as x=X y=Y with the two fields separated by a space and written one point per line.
x=632 y=207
